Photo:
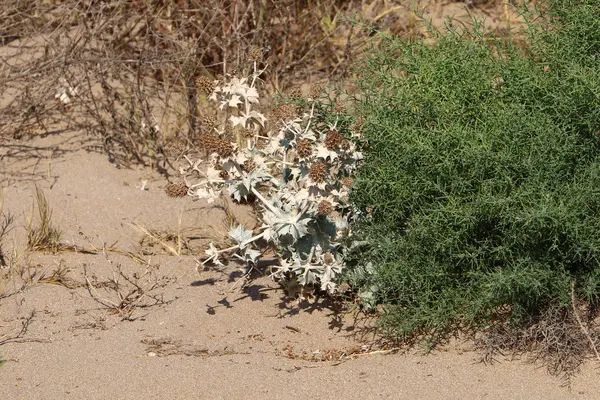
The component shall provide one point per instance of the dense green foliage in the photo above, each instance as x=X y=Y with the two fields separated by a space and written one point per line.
x=481 y=173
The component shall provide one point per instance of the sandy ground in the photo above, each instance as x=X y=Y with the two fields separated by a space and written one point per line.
x=209 y=336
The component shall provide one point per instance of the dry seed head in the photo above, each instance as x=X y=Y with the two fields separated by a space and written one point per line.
x=208 y=122
x=347 y=182
x=178 y=189
x=339 y=108
x=205 y=84
x=283 y=113
x=224 y=174
x=333 y=139
x=254 y=54
x=318 y=171
x=295 y=93
x=209 y=141
x=224 y=148
x=304 y=148
x=324 y=208
x=248 y=165
x=315 y=91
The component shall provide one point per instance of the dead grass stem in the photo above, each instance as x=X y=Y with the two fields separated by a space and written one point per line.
x=43 y=236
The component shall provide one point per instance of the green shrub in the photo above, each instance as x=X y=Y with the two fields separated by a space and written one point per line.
x=481 y=173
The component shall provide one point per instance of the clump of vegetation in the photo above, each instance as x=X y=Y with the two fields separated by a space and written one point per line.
x=480 y=183
x=129 y=73
x=6 y=221
x=43 y=236
x=298 y=174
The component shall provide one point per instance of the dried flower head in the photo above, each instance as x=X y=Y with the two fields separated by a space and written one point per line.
x=324 y=208
x=333 y=139
x=209 y=141
x=315 y=91
x=339 y=108
x=224 y=148
x=178 y=189
x=347 y=182
x=254 y=54
x=295 y=93
x=248 y=165
x=223 y=174
x=318 y=171
x=283 y=113
x=304 y=148
x=205 y=84
x=208 y=122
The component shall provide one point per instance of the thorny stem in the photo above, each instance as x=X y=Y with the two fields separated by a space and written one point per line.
x=581 y=325
x=266 y=203
x=243 y=244
x=310 y=118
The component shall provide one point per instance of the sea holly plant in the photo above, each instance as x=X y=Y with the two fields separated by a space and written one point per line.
x=297 y=172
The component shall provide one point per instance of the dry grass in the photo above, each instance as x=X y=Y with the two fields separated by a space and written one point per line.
x=559 y=339
x=43 y=236
x=125 y=293
x=126 y=72
x=6 y=224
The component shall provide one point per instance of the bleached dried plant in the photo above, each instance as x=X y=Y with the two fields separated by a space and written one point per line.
x=299 y=175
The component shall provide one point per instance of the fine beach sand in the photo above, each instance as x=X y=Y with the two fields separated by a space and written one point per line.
x=211 y=338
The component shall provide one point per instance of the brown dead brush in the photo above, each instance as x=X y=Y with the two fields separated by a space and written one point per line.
x=561 y=339
x=6 y=224
x=125 y=293
x=133 y=74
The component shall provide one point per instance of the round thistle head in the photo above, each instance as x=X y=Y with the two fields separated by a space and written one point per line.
x=315 y=91
x=324 y=208
x=347 y=182
x=333 y=139
x=304 y=148
x=295 y=93
x=224 y=148
x=283 y=113
x=254 y=54
x=209 y=141
x=208 y=122
x=318 y=172
x=205 y=84
x=248 y=166
x=177 y=189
